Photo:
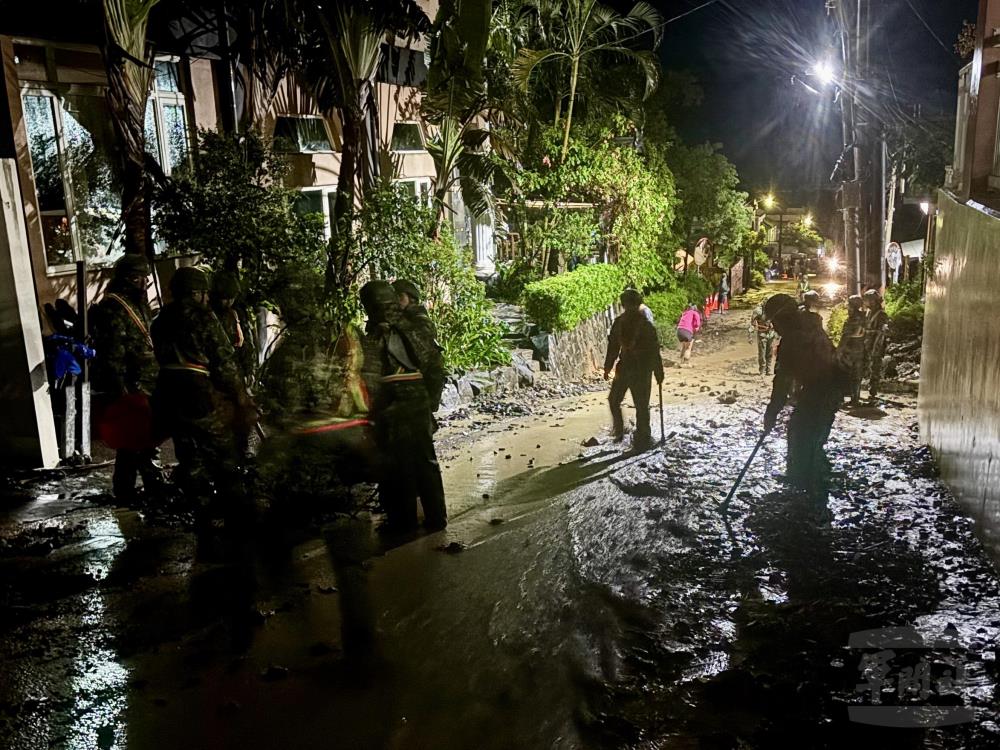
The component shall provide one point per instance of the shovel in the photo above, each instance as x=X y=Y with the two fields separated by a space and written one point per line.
x=746 y=466
x=663 y=433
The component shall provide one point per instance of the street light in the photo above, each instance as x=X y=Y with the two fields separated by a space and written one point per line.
x=824 y=72
x=769 y=201
x=807 y=220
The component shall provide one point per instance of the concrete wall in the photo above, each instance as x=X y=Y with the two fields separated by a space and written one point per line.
x=580 y=353
x=960 y=370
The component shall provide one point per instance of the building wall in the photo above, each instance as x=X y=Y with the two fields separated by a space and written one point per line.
x=960 y=370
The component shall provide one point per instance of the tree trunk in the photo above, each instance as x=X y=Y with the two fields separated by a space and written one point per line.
x=128 y=118
x=341 y=223
x=569 y=109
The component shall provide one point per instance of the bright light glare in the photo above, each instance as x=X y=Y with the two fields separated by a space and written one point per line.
x=807 y=220
x=833 y=265
x=925 y=206
x=832 y=290
x=769 y=201
x=824 y=72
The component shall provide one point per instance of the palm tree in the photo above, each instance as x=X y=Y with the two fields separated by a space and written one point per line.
x=581 y=31
x=130 y=70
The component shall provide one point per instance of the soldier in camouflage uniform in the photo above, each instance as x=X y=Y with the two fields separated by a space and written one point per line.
x=876 y=333
x=200 y=395
x=422 y=333
x=125 y=364
x=851 y=349
x=403 y=415
x=764 y=331
x=806 y=358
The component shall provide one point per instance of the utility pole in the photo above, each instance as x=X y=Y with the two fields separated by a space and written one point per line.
x=849 y=21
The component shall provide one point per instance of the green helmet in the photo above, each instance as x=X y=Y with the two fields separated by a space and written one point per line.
x=131 y=264
x=188 y=280
x=778 y=305
x=404 y=286
x=854 y=302
x=377 y=297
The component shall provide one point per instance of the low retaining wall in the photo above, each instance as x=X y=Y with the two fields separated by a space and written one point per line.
x=577 y=354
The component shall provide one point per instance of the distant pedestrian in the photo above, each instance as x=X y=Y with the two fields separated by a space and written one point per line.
x=803 y=286
x=761 y=329
x=851 y=349
x=633 y=345
x=876 y=335
x=723 y=293
x=687 y=327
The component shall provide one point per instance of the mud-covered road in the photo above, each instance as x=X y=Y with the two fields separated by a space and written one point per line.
x=583 y=597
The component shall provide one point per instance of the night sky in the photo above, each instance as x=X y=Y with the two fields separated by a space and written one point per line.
x=779 y=134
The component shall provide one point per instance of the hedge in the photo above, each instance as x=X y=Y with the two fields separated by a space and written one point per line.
x=560 y=303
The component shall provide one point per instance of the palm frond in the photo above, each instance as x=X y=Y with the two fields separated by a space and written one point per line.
x=526 y=62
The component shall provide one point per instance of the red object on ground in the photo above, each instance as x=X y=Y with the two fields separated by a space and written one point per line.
x=126 y=423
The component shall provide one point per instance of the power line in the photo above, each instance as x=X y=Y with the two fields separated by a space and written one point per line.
x=929 y=29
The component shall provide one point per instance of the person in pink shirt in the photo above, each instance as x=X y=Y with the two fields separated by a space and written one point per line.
x=687 y=327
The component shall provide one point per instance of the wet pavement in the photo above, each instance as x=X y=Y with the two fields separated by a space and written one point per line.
x=583 y=597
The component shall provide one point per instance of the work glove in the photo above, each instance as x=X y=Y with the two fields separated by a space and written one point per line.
x=606 y=374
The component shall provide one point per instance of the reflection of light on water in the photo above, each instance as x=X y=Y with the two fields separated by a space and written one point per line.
x=832 y=289
x=97 y=680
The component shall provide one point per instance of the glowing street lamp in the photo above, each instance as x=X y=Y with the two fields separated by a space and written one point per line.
x=824 y=72
x=769 y=201
x=807 y=220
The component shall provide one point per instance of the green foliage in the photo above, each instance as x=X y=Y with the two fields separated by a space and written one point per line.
x=393 y=242
x=756 y=279
x=835 y=323
x=635 y=202
x=232 y=210
x=511 y=279
x=905 y=308
x=696 y=288
x=798 y=235
x=559 y=303
x=667 y=307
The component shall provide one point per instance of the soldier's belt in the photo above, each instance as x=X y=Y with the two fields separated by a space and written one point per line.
x=403 y=377
x=331 y=425
x=187 y=368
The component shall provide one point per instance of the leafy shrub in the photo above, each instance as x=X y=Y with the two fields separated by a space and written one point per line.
x=559 y=303
x=905 y=309
x=756 y=279
x=393 y=237
x=696 y=288
x=667 y=307
x=511 y=278
x=835 y=323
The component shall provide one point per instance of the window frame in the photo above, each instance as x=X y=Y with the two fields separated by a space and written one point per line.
x=419 y=182
x=420 y=132
x=325 y=192
x=158 y=99
x=326 y=129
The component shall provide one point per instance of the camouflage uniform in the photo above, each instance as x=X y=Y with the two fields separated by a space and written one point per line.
x=420 y=331
x=851 y=349
x=806 y=358
x=765 y=334
x=125 y=365
x=633 y=344
x=403 y=416
x=200 y=396
x=876 y=332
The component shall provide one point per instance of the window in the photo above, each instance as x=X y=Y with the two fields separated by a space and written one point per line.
x=73 y=150
x=419 y=188
x=402 y=66
x=166 y=118
x=301 y=135
x=317 y=201
x=406 y=136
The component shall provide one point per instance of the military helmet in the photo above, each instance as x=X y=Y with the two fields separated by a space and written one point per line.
x=376 y=296
x=225 y=285
x=631 y=298
x=854 y=302
x=778 y=305
x=404 y=286
x=188 y=280
x=872 y=295
x=131 y=264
